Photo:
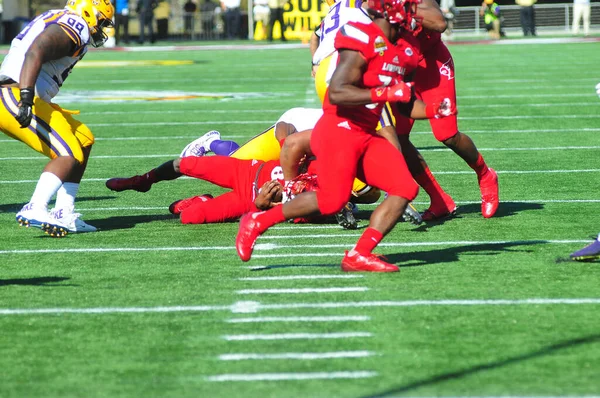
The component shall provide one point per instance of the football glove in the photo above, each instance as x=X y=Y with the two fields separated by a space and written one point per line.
x=441 y=109
x=401 y=92
x=25 y=113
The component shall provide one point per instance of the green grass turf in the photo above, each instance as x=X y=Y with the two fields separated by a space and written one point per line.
x=532 y=111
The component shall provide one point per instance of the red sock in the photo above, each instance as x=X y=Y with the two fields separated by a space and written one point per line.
x=271 y=217
x=480 y=167
x=367 y=242
x=431 y=186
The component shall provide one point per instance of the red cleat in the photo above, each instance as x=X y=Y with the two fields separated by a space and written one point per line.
x=250 y=229
x=444 y=210
x=135 y=183
x=180 y=205
x=488 y=185
x=371 y=263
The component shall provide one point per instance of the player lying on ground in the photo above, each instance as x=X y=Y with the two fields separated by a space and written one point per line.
x=255 y=185
x=40 y=59
x=267 y=146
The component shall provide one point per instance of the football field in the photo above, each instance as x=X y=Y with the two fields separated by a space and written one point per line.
x=148 y=307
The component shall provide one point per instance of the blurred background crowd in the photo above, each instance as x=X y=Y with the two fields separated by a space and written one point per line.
x=149 y=21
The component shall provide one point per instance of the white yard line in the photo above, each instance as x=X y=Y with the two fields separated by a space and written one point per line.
x=441 y=150
x=307 y=290
x=503 y=172
x=292 y=376
x=296 y=277
x=256 y=306
x=270 y=319
x=295 y=336
x=297 y=355
x=272 y=246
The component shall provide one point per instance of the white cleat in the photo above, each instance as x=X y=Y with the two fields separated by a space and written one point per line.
x=201 y=146
x=33 y=215
x=65 y=221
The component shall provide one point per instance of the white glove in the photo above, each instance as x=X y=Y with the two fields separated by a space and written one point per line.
x=598 y=89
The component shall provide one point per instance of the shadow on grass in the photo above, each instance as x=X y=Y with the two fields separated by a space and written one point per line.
x=15 y=207
x=451 y=254
x=44 y=281
x=505 y=209
x=459 y=374
x=437 y=256
x=125 y=222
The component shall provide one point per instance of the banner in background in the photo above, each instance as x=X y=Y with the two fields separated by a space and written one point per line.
x=300 y=17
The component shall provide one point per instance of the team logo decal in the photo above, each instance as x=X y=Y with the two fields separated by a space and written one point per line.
x=380 y=45
x=408 y=51
x=446 y=69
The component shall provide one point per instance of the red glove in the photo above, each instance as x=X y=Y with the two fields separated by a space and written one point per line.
x=441 y=109
x=401 y=92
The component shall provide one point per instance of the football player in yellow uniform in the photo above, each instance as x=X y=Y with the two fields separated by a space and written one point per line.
x=267 y=145
x=41 y=57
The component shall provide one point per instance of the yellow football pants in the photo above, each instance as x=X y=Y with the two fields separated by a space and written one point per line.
x=53 y=132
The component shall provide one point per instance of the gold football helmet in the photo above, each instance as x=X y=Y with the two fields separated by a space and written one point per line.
x=98 y=15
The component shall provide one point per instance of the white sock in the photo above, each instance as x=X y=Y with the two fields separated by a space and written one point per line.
x=46 y=187
x=65 y=198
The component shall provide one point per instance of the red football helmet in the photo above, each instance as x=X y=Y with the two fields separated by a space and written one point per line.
x=396 y=11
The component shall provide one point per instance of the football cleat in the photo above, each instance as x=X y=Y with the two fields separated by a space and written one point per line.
x=65 y=221
x=411 y=215
x=180 y=205
x=200 y=146
x=435 y=212
x=490 y=198
x=33 y=215
x=353 y=261
x=135 y=183
x=250 y=229
x=345 y=217
x=588 y=253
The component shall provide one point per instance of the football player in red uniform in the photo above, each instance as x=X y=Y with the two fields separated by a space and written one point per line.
x=434 y=79
x=345 y=142
x=255 y=185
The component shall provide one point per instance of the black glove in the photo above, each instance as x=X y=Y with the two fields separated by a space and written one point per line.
x=25 y=113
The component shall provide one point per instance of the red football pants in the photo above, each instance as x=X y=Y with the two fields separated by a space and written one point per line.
x=344 y=154
x=434 y=81
x=225 y=172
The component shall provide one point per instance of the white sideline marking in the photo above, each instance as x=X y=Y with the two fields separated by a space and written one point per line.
x=293 y=277
x=259 y=307
x=503 y=172
x=173 y=123
x=442 y=150
x=341 y=318
x=297 y=355
x=292 y=376
x=511 y=131
x=197 y=248
x=295 y=336
x=306 y=290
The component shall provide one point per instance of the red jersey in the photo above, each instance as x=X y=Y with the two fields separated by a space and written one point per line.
x=409 y=49
x=428 y=40
x=384 y=68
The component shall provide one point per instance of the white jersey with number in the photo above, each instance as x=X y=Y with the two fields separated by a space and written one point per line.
x=301 y=118
x=53 y=73
x=339 y=14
